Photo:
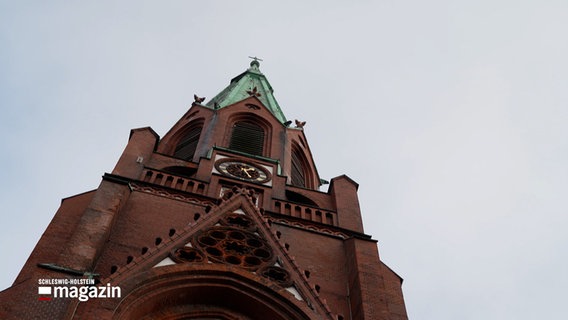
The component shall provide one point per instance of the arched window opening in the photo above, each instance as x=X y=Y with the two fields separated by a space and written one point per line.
x=298 y=173
x=247 y=137
x=187 y=145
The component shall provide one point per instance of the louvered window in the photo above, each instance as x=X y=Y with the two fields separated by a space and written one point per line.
x=188 y=144
x=298 y=178
x=247 y=137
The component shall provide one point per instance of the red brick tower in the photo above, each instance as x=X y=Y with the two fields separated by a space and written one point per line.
x=219 y=219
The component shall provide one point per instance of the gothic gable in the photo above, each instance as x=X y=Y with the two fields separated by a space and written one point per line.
x=231 y=239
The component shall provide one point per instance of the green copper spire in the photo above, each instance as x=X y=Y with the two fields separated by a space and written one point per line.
x=249 y=83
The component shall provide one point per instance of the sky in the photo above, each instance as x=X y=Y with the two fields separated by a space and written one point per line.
x=451 y=116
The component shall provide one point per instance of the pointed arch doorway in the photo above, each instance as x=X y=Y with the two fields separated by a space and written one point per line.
x=211 y=293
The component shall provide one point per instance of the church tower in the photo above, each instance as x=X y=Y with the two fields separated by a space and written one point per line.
x=221 y=218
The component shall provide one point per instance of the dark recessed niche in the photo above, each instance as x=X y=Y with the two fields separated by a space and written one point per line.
x=299 y=198
x=181 y=171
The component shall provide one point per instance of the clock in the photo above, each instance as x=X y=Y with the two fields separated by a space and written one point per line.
x=243 y=170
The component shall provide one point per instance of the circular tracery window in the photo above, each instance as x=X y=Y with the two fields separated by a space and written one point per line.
x=235 y=246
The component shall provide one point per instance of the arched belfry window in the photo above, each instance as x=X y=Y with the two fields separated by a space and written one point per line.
x=187 y=145
x=298 y=169
x=247 y=137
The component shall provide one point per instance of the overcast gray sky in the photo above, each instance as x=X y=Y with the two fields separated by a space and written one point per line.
x=451 y=115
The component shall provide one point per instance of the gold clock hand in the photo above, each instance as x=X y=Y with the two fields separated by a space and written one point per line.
x=246 y=171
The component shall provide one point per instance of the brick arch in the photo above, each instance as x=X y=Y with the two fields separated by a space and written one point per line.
x=184 y=291
x=301 y=174
x=245 y=117
x=191 y=131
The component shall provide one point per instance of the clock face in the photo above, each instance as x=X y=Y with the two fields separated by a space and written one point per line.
x=242 y=170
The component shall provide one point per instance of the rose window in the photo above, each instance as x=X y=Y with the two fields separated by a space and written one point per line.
x=235 y=246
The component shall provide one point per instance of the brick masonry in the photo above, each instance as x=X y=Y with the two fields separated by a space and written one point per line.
x=144 y=210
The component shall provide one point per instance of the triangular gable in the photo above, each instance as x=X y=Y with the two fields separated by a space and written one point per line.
x=233 y=233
